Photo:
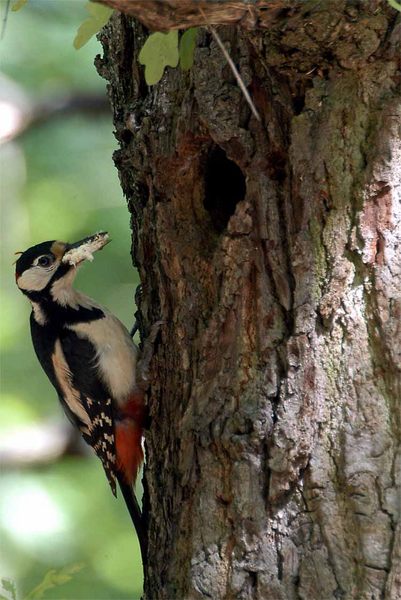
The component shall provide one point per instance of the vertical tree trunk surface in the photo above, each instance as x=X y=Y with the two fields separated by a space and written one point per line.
x=272 y=250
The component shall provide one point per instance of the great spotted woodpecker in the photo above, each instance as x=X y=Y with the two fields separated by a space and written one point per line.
x=90 y=359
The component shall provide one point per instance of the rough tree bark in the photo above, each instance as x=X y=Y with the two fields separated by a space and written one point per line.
x=272 y=250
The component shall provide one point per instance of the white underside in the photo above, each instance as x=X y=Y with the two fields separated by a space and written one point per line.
x=116 y=354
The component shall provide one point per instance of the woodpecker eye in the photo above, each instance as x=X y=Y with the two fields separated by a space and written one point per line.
x=44 y=261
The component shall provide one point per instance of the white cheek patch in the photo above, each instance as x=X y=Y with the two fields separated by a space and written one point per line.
x=34 y=279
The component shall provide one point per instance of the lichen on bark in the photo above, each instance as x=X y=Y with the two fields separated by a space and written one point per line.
x=272 y=251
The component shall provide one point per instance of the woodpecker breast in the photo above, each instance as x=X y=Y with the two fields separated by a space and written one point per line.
x=115 y=354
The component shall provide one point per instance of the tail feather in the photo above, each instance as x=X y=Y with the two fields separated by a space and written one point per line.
x=136 y=515
x=129 y=457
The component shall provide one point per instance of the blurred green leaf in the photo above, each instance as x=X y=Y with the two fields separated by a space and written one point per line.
x=15 y=412
x=395 y=4
x=187 y=48
x=99 y=15
x=53 y=579
x=18 y=4
x=159 y=51
x=9 y=586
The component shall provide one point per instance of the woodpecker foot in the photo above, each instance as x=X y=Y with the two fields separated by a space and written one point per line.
x=138 y=323
x=147 y=355
x=134 y=329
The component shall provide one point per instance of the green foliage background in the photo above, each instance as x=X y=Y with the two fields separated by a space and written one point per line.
x=58 y=182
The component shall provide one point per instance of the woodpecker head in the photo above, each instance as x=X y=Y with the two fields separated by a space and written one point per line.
x=54 y=264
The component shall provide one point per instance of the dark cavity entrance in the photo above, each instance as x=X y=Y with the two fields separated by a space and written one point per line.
x=224 y=187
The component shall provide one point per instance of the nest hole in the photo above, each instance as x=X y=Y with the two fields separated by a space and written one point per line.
x=224 y=187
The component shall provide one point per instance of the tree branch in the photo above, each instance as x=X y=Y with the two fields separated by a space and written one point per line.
x=179 y=14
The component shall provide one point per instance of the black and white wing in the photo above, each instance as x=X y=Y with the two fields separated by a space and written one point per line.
x=84 y=397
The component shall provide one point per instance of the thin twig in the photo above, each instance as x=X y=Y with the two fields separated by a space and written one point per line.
x=232 y=66
x=4 y=24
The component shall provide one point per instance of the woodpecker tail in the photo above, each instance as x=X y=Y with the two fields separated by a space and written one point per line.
x=136 y=515
x=129 y=457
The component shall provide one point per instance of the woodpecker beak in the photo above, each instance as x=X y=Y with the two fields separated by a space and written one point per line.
x=99 y=239
x=76 y=253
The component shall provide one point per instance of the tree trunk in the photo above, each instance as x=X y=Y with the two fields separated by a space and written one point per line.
x=272 y=251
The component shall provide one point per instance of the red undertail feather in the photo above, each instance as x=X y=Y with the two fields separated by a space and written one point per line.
x=128 y=433
x=128 y=449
